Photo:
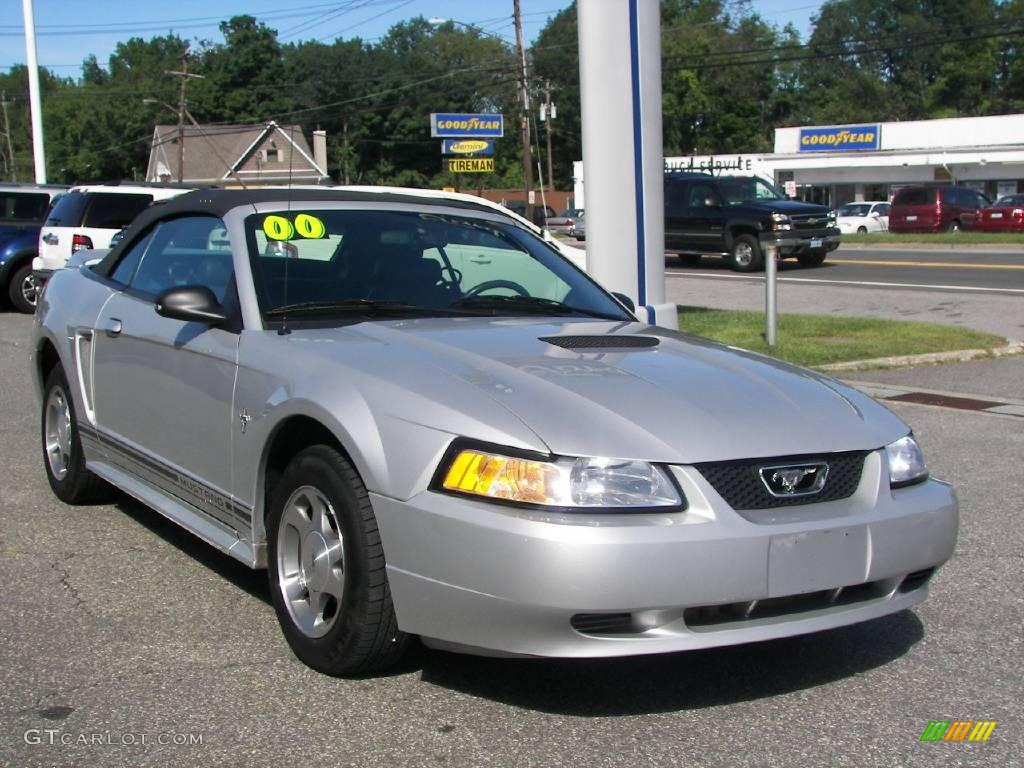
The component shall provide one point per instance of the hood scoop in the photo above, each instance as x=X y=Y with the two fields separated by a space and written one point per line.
x=607 y=341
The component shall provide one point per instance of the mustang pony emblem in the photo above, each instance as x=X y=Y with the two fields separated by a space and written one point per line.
x=794 y=480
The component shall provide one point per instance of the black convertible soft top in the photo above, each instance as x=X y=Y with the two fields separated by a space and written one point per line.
x=217 y=202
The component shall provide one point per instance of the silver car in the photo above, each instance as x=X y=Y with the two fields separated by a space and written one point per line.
x=423 y=421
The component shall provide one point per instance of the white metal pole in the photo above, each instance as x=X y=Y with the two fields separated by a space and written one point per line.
x=620 y=94
x=771 y=253
x=38 y=150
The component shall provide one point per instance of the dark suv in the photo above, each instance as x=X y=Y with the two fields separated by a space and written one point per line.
x=735 y=216
x=936 y=209
x=23 y=208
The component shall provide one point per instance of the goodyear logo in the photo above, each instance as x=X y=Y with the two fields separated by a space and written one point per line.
x=471 y=165
x=481 y=147
x=448 y=125
x=959 y=730
x=844 y=139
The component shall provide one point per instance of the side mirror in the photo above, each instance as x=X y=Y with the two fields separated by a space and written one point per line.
x=191 y=303
x=875 y=214
x=625 y=300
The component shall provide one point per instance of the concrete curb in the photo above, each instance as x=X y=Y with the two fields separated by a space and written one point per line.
x=901 y=361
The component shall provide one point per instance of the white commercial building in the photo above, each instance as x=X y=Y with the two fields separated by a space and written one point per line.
x=838 y=164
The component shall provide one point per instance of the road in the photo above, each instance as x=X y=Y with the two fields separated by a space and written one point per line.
x=118 y=628
x=998 y=271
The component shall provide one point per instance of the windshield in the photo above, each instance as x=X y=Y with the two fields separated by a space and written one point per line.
x=854 y=209
x=341 y=263
x=737 y=190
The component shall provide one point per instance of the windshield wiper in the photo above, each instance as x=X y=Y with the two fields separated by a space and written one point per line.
x=347 y=305
x=531 y=304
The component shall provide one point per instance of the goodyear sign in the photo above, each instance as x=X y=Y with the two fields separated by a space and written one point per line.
x=448 y=125
x=471 y=165
x=478 y=147
x=840 y=139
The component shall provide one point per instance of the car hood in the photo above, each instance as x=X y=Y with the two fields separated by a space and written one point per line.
x=682 y=399
x=788 y=206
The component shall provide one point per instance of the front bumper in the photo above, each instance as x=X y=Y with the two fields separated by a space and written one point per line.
x=481 y=578
x=793 y=243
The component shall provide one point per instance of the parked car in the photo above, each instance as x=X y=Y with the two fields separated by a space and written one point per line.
x=565 y=224
x=860 y=218
x=23 y=208
x=1006 y=215
x=541 y=213
x=935 y=209
x=88 y=216
x=423 y=421
x=734 y=215
x=580 y=231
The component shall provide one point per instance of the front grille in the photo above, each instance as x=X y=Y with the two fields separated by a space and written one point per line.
x=739 y=482
x=711 y=616
x=601 y=342
x=809 y=221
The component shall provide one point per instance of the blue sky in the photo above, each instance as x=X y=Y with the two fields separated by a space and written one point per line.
x=69 y=30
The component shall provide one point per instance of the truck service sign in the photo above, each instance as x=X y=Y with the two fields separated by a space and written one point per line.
x=447 y=125
x=845 y=138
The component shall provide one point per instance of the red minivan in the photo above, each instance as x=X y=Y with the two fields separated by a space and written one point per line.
x=935 y=209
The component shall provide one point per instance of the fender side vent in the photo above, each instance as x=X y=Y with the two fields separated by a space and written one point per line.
x=610 y=341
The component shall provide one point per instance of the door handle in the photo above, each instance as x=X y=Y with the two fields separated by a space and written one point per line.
x=112 y=327
x=480 y=261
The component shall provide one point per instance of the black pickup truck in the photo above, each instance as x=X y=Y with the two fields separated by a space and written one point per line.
x=737 y=216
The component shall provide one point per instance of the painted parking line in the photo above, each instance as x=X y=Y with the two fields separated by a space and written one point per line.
x=866 y=283
x=946 y=265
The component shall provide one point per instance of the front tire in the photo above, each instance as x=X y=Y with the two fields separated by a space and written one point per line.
x=954 y=226
x=63 y=458
x=745 y=255
x=326 y=568
x=23 y=290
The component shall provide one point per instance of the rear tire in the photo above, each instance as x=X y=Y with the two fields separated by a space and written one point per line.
x=326 y=568
x=862 y=230
x=812 y=259
x=954 y=226
x=24 y=289
x=745 y=255
x=63 y=458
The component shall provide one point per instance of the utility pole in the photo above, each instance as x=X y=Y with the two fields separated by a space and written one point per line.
x=184 y=74
x=525 y=97
x=34 y=98
x=548 y=112
x=7 y=131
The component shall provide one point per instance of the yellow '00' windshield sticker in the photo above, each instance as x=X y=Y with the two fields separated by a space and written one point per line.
x=280 y=228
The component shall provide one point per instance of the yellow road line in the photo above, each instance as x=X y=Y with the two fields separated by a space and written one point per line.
x=948 y=265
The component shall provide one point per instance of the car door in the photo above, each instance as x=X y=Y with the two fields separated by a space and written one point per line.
x=882 y=209
x=704 y=225
x=164 y=388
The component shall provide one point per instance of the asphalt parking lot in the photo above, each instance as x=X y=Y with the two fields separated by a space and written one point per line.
x=121 y=631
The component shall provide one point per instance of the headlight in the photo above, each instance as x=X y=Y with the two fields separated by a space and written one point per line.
x=781 y=221
x=906 y=462
x=585 y=483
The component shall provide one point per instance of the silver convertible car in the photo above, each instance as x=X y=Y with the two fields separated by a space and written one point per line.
x=423 y=421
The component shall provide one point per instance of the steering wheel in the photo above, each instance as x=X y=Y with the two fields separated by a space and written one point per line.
x=489 y=284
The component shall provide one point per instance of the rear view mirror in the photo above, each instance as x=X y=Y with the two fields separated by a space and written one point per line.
x=191 y=303
x=625 y=301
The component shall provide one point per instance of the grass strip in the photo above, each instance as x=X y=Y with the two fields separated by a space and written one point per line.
x=812 y=340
